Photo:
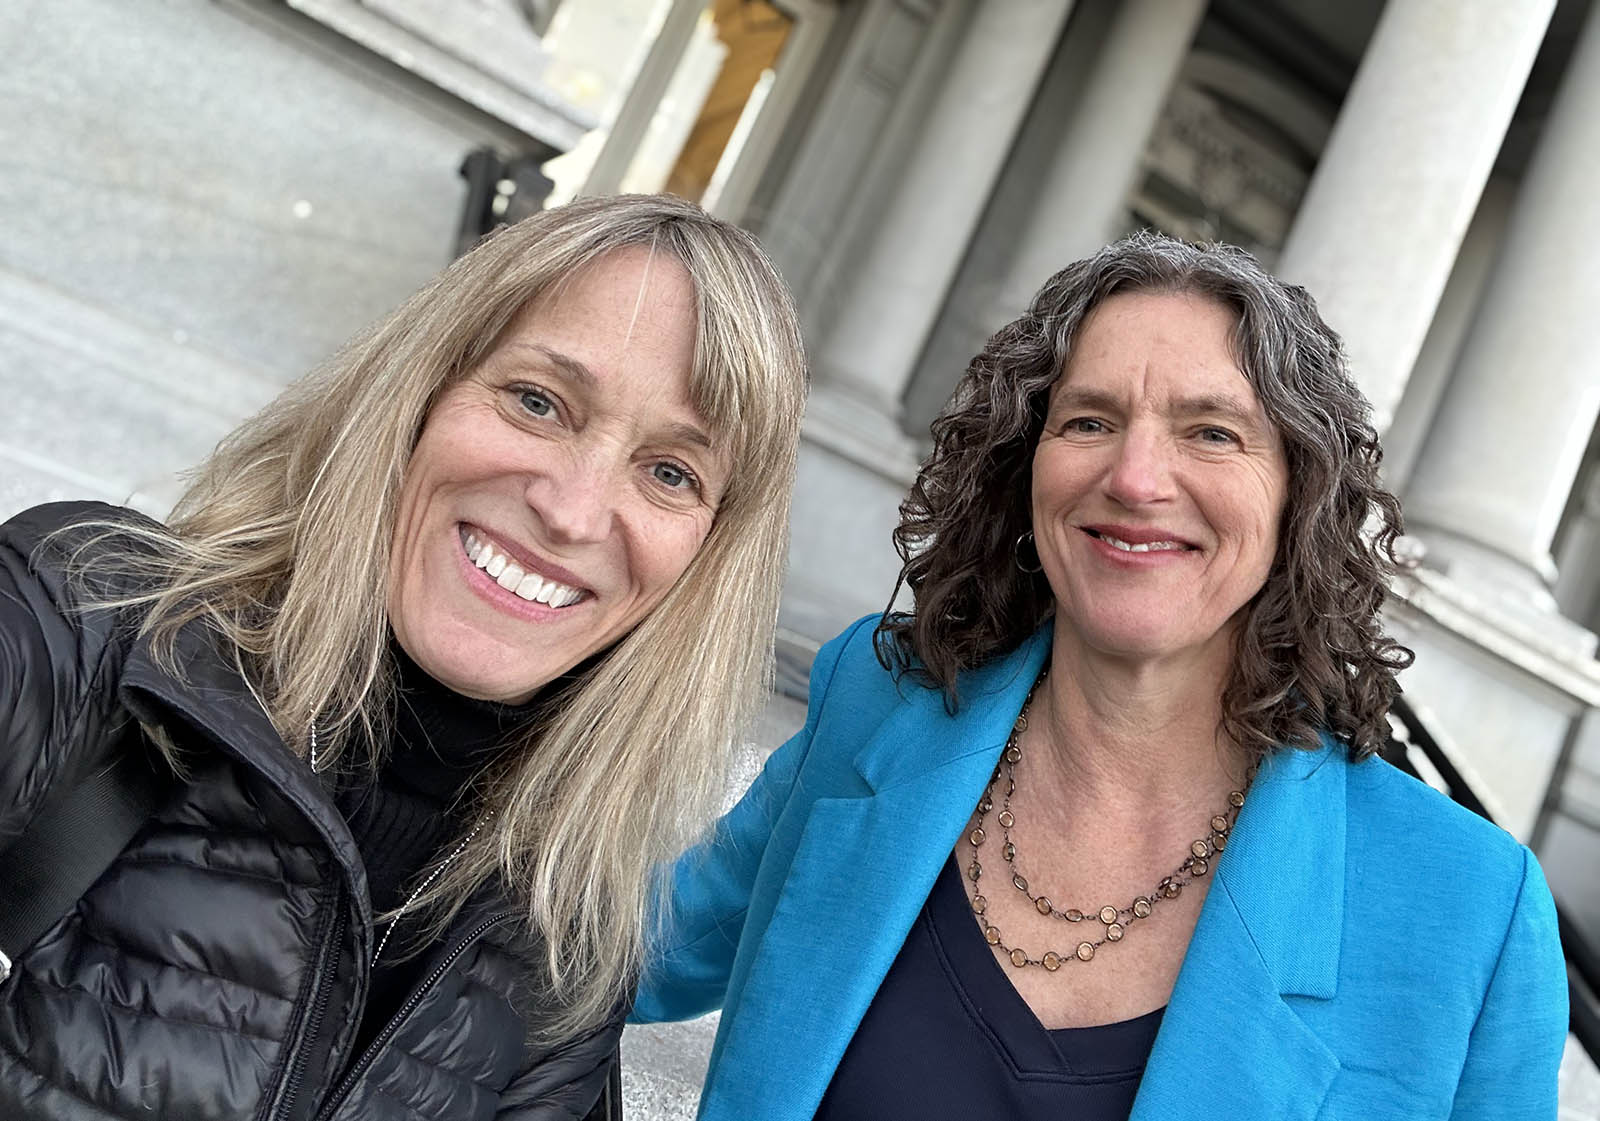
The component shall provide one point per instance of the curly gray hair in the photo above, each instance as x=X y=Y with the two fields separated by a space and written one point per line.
x=1311 y=655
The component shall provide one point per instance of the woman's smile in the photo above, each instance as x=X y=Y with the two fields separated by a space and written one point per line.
x=511 y=579
x=1139 y=548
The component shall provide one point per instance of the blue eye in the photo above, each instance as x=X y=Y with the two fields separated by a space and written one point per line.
x=535 y=402
x=673 y=476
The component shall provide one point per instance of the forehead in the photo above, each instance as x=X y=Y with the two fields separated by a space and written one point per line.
x=1157 y=345
x=622 y=296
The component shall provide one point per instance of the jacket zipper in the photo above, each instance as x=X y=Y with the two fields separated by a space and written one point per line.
x=371 y=1053
x=327 y=964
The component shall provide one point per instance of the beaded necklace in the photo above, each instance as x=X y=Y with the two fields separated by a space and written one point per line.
x=1113 y=920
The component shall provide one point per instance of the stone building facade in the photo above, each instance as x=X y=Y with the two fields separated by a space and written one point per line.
x=199 y=199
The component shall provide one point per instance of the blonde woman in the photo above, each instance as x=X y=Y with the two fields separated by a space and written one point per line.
x=447 y=646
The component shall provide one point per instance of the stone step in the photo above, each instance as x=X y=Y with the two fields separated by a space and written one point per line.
x=99 y=407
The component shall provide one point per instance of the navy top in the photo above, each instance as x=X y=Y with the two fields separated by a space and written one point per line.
x=948 y=1037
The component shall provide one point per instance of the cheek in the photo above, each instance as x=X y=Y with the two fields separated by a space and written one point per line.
x=666 y=554
x=1057 y=481
x=1260 y=525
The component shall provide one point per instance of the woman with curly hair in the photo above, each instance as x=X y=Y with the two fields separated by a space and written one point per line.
x=1096 y=830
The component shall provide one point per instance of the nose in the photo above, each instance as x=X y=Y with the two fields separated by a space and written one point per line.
x=1141 y=473
x=576 y=500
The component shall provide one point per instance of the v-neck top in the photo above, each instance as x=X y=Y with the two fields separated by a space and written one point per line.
x=948 y=1037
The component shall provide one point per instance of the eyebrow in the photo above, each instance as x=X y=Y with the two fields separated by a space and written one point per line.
x=565 y=363
x=1203 y=404
x=1216 y=404
x=680 y=432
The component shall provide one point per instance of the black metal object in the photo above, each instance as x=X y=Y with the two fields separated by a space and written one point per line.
x=500 y=191
x=1409 y=734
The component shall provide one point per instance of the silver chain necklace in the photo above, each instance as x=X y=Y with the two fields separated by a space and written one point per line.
x=434 y=875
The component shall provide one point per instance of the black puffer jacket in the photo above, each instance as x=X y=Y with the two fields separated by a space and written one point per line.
x=218 y=969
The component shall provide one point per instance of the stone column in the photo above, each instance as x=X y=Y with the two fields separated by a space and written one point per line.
x=1577 y=590
x=1378 y=230
x=633 y=118
x=1501 y=457
x=1080 y=203
x=1430 y=374
x=892 y=298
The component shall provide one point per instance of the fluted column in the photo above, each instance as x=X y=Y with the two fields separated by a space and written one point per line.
x=1397 y=184
x=894 y=295
x=1080 y=203
x=1501 y=457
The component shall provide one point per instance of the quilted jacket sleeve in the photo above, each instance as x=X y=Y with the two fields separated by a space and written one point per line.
x=55 y=661
x=567 y=1081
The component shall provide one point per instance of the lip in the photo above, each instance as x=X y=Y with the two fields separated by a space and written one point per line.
x=1137 y=535
x=528 y=561
x=488 y=589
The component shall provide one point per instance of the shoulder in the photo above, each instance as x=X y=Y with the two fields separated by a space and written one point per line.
x=852 y=691
x=1392 y=813
x=52 y=567
x=47 y=545
x=848 y=663
x=1436 y=895
x=37 y=523
x=850 y=652
x=1461 y=874
x=59 y=656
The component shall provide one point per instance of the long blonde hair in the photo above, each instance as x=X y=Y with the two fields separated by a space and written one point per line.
x=282 y=543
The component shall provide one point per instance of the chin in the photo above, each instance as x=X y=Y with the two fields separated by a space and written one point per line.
x=474 y=665
x=509 y=682
x=505 y=689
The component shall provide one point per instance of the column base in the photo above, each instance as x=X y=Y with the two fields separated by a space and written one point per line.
x=1516 y=589
x=864 y=429
x=1499 y=694
x=854 y=469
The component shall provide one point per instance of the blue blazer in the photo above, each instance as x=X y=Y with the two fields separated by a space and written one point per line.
x=1367 y=949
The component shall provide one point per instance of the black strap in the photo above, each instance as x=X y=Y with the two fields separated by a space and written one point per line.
x=67 y=846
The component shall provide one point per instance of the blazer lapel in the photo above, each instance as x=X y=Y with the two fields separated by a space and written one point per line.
x=861 y=872
x=1270 y=929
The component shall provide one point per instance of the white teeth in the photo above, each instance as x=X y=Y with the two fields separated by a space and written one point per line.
x=517 y=580
x=1147 y=547
x=510 y=576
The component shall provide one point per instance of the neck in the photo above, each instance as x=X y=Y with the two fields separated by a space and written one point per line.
x=1122 y=732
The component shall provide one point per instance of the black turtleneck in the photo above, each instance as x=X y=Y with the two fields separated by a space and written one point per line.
x=404 y=819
